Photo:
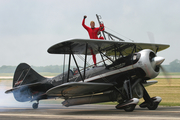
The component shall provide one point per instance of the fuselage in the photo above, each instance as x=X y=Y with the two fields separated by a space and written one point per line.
x=137 y=65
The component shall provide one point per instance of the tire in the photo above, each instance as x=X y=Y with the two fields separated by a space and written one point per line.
x=35 y=106
x=129 y=108
x=153 y=106
x=143 y=105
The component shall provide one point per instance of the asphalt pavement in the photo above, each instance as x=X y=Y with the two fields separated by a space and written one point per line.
x=86 y=112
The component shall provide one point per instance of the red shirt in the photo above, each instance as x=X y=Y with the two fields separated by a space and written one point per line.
x=92 y=31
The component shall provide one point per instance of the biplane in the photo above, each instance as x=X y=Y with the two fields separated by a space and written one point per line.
x=126 y=68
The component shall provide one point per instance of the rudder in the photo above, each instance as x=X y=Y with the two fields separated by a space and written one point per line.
x=24 y=74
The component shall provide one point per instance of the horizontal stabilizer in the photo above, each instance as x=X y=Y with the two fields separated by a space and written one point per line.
x=23 y=86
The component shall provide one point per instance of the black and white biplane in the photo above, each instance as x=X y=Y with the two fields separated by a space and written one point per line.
x=121 y=76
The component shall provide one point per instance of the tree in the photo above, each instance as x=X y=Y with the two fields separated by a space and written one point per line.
x=175 y=66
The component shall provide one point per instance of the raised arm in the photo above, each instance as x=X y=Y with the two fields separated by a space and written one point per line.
x=83 y=23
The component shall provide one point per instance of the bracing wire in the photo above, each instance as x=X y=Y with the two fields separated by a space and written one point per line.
x=120 y=34
x=83 y=59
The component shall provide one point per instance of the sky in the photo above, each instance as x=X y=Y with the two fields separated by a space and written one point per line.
x=29 y=27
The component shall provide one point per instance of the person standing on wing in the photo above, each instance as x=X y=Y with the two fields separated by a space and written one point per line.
x=93 y=33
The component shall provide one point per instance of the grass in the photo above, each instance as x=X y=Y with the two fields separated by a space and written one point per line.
x=170 y=73
x=6 y=74
x=170 y=93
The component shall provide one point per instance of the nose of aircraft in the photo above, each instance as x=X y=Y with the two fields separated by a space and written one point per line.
x=158 y=60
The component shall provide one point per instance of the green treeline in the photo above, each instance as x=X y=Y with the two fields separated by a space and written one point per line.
x=7 y=69
x=50 y=68
x=39 y=69
x=174 y=66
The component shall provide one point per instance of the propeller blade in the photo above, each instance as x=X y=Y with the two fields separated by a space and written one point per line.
x=167 y=76
x=157 y=61
x=152 y=40
x=151 y=37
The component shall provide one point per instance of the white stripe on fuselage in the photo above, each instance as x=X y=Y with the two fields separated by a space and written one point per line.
x=109 y=73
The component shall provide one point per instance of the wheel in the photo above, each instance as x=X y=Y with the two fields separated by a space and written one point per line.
x=153 y=106
x=35 y=105
x=143 y=105
x=130 y=108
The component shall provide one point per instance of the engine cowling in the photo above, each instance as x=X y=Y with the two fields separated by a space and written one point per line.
x=150 y=63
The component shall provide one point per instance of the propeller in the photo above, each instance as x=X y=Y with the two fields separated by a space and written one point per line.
x=151 y=38
x=157 y=61
x=166 y=74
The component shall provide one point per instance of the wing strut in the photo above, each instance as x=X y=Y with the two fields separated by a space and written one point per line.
x=103 y=59
x=85 y=61
x=106 y=56
x=69 y=67
x=64 y=66
x=157 y=49
x=134 y=49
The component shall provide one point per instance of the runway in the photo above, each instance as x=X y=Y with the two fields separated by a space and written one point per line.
x=86 y=112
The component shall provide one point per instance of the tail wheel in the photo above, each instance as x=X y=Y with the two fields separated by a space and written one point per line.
x=130 y=108
x=35 y=105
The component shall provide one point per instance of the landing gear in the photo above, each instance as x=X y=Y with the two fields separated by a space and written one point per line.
x=129 y=105
x=35 y=105
x=153 y=105
x=150 y=103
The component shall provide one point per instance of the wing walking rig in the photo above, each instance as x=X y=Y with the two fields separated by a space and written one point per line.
x=122 y=76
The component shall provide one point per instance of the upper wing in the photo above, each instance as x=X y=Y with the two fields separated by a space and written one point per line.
x=77 y=46
x=78 y=88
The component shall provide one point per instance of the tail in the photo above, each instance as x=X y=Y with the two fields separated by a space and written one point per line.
x=24 y=74
x=26 y=82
